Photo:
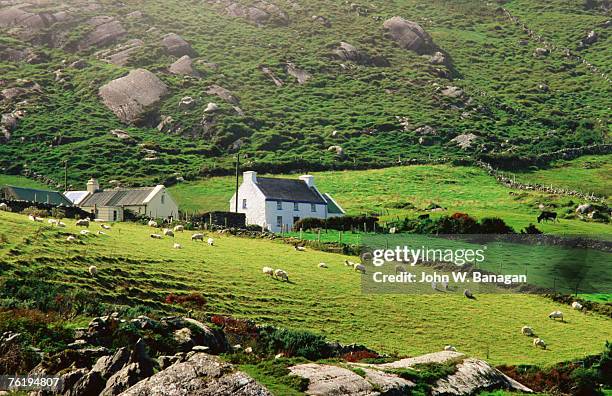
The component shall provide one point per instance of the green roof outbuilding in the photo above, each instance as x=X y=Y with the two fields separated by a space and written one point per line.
x=34 y=195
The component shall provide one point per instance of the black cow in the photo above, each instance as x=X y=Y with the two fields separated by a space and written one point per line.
x=547 y=216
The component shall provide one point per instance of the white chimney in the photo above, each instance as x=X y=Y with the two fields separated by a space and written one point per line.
x=92 y=186
x=308 y=179
x=250 y=176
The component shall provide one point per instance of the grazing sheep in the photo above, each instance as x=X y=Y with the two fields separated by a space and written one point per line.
x=322 y=265
x=152 y=223
x=349 y=263
x=168 y=232
x=248 y=350
x=450 y=348
x=468 y=294
x=179 y=228
x=282 y=275
x=197 y=237
x=52 y=221
x=32 y=218
x=556 y=314
x=4 y=207
x=211 y=242
x=400 y=268
x=299 y=248
x=93 y=271
x=528 y=331
x=268 y=271
x=61 y=224
x=538 y=342
x=101 y=233
x=84 y=232
x=82 y=223
x=177 y=246
x=105 y=226
x=359 y=268
x=577 y=306
x=71 y=239
x=156 y=236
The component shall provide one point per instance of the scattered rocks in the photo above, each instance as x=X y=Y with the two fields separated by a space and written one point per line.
x=322 y=20
x=187 y=103
x=200 y=374
x=107 y=31
x=184 y=66
x=452 y=92
x=120 y=55
x=541 y=52
x=302 y=76
x=131 y=97
x=177 y=46
x=464 y=141
x=277 y=81
x=166 y=124
x=223 y=93
x=260 y=13
x=437 y=58
x=409 y=35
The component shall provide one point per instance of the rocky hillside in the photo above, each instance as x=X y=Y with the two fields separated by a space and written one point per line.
x=152 y=90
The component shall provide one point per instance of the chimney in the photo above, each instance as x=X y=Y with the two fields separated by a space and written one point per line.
x=308 y=179
x=250 y=176
x=92 y=186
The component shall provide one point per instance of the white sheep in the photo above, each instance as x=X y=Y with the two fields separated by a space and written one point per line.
x=210 y=242
x=177 y=246
x=322 y=265
x=52 y=221
x=93 y=270
x=84 y=232
x=538 y=342
x=105 y=226
x=268 y=271
x=156 y=236
x=152 y=223
x=179 y=228
x=197 y=237
x=359 y=268
x=101 y=233
x=300 y=248
x=61 y=224
x=282 y=275
x=4 y=207
x=450 y=348
x=577 y=306
x=71 y=238
x=34 y=218
x=526 y=330
x=555 y=315
x=168 y=232
x=82 y=223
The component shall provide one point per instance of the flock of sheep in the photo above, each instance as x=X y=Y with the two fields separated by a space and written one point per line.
x=537 y=341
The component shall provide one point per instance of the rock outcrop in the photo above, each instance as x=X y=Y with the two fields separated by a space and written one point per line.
x=132 y=97
x=465 y=140
x=409 y=35
x=200 y=374
x=223 y=93
x=184 y=66
x=107 y=30
x=327 y=380
x=259 y=13
x=120 y=55
x=177 y=46
x=348 y=52
x=302 y=76
x=277 y=81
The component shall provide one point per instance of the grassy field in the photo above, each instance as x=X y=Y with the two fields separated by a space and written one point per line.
x=135 y=269
x=20 y=181
x=459 y=189
x=591 y=174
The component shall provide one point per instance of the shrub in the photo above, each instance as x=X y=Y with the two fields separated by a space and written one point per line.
x=585 y=382
x=34 y=211
x=531 y=230
x=358 y=356
x=58 y=213
x=494 y=225
x=342 y=223
x=293 y=343
x=192 y=300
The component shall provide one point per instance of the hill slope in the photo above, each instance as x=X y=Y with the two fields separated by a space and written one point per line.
x=375 y=99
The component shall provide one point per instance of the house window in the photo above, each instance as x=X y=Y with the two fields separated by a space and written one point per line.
x=279 y=205
x=296 y=206
x=313 y=207
x=279 y=221
x=244 y=205
x=163 y=199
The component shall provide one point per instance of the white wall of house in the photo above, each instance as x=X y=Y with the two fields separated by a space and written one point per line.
x=251 y=201
x=160 y=205
x=289 y=215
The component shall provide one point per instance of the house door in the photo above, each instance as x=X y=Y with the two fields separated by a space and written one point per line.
x=114 y=215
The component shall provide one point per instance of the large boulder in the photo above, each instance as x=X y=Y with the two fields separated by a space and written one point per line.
x=465 y=140
x=107 y=30
x=200 y=374
x=327 y=380
x=348 y=52
x=259 y=13
x=132 y=97
x=184 y=66
x=409 y=35
x=302 y=76
x=177 y=46
x=120 y=54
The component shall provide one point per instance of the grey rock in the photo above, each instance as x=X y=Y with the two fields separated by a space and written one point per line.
x=348 y=52
x=388 y=384
x=120 y=55
x=327 y=380
x=176 y=45
x=259 y=13
x=132 y=96
x=437 y=58
x=107 y=31
x=322 y=20
x=302 y=76
x=541 y=51
x=590 y=38
x=277 y=81
x=201 y=374
x=223 y=93
x=452 y=92
x=409 y=35
x=184 y=66
x=9 y=121
x=187 y=103
x=465 y=140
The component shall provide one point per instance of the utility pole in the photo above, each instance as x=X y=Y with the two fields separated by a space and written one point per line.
x=237 y=177
x=65 y=175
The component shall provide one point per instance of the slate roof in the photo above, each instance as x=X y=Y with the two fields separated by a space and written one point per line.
x=118 y=197
x=35 y=195
x=288 y=190
x=332 y=206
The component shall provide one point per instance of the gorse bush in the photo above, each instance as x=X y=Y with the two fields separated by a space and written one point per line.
x=293 y=343
x=457 y=223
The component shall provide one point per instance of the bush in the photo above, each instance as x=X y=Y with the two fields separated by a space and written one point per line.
x=531 y=230
x=293 y=343
x=58 y=213
x=585 y=382
x=192 y=300
x=494 y=225
x=342 y=223
x=34 y=211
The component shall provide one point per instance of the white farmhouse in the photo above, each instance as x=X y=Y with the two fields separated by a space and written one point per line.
x=110 y=205
x=276 y=204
